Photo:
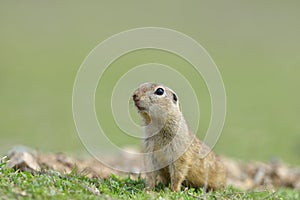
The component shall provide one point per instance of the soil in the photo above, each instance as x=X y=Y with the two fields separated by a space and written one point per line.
x=244 y=175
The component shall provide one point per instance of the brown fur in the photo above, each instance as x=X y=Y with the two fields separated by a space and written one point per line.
x=172 y=139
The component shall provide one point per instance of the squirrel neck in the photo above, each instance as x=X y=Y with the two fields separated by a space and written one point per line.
x=175 y=123
x=167 y=127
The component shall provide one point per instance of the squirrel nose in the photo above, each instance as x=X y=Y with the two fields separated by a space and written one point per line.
x=135 y=97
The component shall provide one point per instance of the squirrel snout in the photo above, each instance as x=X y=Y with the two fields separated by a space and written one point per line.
x=135 y=97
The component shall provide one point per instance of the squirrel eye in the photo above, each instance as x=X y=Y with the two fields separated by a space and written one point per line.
x=159 y=91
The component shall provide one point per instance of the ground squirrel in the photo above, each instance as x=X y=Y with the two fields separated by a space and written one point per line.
x=172 y=152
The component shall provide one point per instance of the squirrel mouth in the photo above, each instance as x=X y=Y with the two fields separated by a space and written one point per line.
x=140 y=108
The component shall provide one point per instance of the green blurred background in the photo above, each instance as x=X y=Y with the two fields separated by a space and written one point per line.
x=255 y=45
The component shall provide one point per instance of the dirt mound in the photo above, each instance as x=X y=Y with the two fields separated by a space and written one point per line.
x=246 y=176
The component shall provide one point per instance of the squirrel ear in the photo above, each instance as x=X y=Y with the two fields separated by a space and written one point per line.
x=174 y=98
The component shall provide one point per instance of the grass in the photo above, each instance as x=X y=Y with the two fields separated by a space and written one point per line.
x=49 y=184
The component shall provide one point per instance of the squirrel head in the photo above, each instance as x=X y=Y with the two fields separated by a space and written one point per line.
x=155 y=101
